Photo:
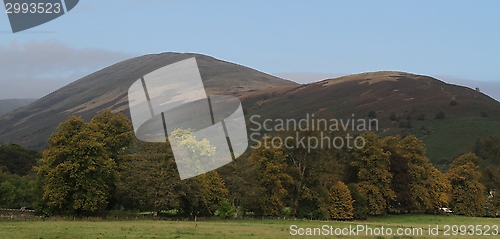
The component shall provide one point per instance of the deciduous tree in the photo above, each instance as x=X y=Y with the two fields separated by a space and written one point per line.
x=467 y=191
x=76 y=172
x=419 y=186
x=273 y=178
x=373 y=178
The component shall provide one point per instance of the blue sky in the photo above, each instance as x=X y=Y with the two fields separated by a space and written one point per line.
x=457 y=41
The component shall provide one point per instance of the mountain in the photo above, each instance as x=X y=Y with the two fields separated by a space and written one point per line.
x=9 y=105
x=403 y=104
x=32 y=125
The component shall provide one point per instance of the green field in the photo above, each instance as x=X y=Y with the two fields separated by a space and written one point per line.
x=53 y=228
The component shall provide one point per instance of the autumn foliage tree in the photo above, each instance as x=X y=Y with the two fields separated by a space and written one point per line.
x=75 y=171
x=213 y=191
x=339 y=202
x=78 y=171
x=372 y=174
x=419 y=186
x=273 y=178
x=116 y=133
x=150 y=181
x=92 y=167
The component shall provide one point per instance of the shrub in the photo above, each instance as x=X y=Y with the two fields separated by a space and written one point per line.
x=421 y=117
x=287 y=211
x=372 y=114
x=484 y=114
x=453 y=103
x=440 y=115
x=226 y=210
x=405 y=124
x=393 y=117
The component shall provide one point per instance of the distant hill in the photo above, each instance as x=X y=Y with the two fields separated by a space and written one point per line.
x=107 y=89
x=416 y=99
x=9 y=105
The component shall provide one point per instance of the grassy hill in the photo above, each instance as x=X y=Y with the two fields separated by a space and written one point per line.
x=399 y=96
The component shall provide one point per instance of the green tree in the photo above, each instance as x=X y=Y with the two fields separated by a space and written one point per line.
x=8 y=194
x=18 y=160
x=467 y=191
x=17 y=191
x=491 y=146
x=489 y=149
x=360 y=205
x=225 y=210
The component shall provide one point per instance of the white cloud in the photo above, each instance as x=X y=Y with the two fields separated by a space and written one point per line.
x=34 y=69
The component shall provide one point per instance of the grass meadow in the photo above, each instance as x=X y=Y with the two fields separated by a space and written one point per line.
x=98 y=228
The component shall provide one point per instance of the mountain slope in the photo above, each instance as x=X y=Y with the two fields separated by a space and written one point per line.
x=406 y=97
x=32 y=125
x=9 y=105
x=384 y=92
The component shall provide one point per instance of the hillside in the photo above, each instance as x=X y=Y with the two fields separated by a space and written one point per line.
x=406 y=97
x=404 y=103
x=32 y=125
x=9 y=105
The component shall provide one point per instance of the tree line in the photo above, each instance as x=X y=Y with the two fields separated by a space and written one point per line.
x=92 y=168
